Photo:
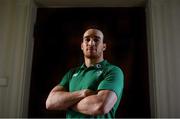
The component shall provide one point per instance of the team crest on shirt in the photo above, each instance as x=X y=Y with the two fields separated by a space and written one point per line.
x=98 y=73
x=74 y=75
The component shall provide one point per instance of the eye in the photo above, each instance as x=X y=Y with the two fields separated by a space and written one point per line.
x=96 y=39
x=86 y=39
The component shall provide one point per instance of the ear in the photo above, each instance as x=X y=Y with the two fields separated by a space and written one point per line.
x=104 y=46
x=81 y=46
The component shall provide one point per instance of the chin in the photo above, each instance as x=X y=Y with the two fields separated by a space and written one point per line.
x=92 y=56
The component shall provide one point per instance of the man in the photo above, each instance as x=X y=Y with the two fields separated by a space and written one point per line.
x=93 y=89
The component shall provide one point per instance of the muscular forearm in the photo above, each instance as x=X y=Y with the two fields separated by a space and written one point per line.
x=62 y=100
x=97 y=104
x=90 y=105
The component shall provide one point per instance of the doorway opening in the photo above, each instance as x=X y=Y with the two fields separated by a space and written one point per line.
x=58 y=33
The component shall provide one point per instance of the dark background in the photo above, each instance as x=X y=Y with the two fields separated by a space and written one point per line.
x=57 y=37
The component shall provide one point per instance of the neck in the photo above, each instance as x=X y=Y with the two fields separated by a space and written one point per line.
x=90 y=62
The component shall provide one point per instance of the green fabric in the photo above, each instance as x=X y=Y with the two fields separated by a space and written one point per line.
x=102 y=76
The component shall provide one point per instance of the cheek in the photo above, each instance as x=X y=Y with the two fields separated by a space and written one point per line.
x=100 y=49
x=84 y=49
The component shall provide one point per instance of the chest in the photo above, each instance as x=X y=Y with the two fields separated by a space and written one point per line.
x=86 y=79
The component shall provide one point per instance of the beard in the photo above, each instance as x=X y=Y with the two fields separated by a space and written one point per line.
x=92 y=55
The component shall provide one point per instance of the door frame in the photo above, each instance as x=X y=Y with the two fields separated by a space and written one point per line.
x=28 y=49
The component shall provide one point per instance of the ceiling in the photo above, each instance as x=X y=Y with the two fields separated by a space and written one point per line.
x=90 y=3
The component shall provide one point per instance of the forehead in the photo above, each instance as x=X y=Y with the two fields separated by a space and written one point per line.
x=93 y=33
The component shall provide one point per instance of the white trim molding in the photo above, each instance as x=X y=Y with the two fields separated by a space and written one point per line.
x=90 y=3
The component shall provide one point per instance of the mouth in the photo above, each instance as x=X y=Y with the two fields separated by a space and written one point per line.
x=91 y=49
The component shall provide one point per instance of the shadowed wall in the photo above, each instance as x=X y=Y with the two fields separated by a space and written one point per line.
x=58 y=34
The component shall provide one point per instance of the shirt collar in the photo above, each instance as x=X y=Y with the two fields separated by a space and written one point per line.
x=98 y=65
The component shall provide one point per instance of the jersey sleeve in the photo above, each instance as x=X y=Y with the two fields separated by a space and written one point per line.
x=113 y=80
x=66 y=79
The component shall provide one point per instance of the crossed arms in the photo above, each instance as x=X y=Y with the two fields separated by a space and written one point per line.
x=84 y=101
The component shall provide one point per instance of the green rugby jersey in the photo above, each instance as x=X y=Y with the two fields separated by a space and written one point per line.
x=102 y=76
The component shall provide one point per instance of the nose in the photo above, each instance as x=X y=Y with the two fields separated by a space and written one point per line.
x=91 y=42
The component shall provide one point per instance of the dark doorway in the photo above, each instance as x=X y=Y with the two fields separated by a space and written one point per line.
x=58 y=33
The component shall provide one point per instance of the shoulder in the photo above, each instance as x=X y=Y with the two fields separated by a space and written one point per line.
x=72 y=71
x=112 y=68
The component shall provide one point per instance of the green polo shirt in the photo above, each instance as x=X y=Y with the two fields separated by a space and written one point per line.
x=102 y=76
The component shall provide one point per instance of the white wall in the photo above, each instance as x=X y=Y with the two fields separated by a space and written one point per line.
x=16 y=44
x=164 y=46
x=14 y=36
